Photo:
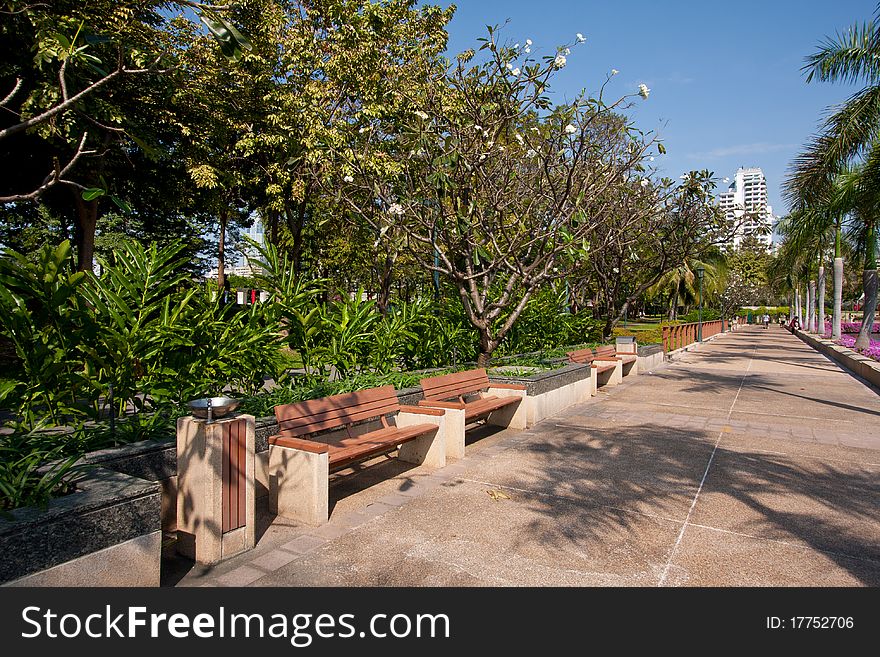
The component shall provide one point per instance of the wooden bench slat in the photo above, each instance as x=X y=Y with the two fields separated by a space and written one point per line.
x=340 y=402
x=299 y=443
x=581 y=356
x=374 y=443
x=457 y=384
x=325 y=413
x=483 y=407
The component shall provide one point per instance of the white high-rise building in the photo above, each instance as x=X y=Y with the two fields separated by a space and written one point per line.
x=748 y=193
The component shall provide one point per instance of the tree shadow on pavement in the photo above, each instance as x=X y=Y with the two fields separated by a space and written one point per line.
x=591 y=484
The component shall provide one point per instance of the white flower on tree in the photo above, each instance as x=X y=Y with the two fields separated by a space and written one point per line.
x=520 y=139
x=422 y=115
x=531 y=153
x=644 y=91
x=515 y=72
x=614 y=71
x=395 y=209
x=580 y=37
x=570 y=129
x=348 y=179
x=644 y=182
x=560 y=61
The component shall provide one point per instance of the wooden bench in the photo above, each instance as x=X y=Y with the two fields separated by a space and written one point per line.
x=468 y=397
x=604 y=360
x=321 y=436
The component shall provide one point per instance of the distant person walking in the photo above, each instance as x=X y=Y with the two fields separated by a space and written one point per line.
x=766 y=320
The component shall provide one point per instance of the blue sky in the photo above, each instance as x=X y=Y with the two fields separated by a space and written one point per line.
x=725 y=79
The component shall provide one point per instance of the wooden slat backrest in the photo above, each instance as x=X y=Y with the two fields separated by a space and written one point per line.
x=581 y=356
x=335 y=411
x=459 y=384
x=605 y=351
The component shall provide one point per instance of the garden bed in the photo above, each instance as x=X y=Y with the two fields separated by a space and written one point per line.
x=106 y=532
x=859 y=364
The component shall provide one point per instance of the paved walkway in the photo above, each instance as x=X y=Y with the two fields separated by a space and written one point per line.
x=753 y=461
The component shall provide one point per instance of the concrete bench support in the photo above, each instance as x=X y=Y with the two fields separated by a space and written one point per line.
x=299 y=484
x=428 y=450
x=513 y=416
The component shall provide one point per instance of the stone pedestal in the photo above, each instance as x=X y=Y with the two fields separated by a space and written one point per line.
x=216 y=498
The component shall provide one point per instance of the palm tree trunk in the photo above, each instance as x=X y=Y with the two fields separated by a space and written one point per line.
x=869 y=282
x=820 y=323
x=838 y=298
x=811 y=312
x=838 y=283
x=673 y=305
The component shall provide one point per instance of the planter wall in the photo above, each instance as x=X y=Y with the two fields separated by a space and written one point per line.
x=106 y=533
x=548 y=393
x=650 y=357
x=867 y=368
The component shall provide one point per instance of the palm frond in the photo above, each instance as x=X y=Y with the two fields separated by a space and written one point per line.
x=849 y=132
x=850 y=57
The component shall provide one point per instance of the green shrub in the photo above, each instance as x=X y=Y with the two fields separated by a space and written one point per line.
x=32 y=472
x=298 y=390
x=546 y=324
x=709 y=315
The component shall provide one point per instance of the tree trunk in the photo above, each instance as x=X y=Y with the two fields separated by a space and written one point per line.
x=221 y=251
x=84 y=231
x=838 y=297
x=811 y=313
x=869 y=282
x=487 y=346
x=386 y=280
x=820 y=327
x=800 y=307
x=673 y=306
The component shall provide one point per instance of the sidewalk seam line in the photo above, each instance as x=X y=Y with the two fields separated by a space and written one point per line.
x=665 y=573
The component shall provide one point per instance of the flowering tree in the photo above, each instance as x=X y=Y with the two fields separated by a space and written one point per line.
x=656 y=227
x=491 y=186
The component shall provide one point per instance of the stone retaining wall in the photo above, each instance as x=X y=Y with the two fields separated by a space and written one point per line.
x=106 y=533
x=863 y=366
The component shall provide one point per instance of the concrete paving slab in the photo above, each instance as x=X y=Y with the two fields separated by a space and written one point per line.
x=711 y=558
x=523 y=540
x=823 y=505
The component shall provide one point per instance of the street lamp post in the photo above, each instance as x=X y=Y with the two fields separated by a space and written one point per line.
x=700 y=271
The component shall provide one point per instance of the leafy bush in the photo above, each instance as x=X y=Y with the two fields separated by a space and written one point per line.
x=44 y=317
x=709 y=315
x=263 y=405
x=546 y=324
x=652 y=335
x=31 y=472
x=140 y=327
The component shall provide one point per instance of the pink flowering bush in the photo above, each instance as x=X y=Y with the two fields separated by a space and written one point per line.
x=873 y=351
x=851 y=327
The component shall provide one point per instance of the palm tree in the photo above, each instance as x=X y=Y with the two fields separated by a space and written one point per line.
x=847 y=146
x=679 y=285
x=809 y=233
